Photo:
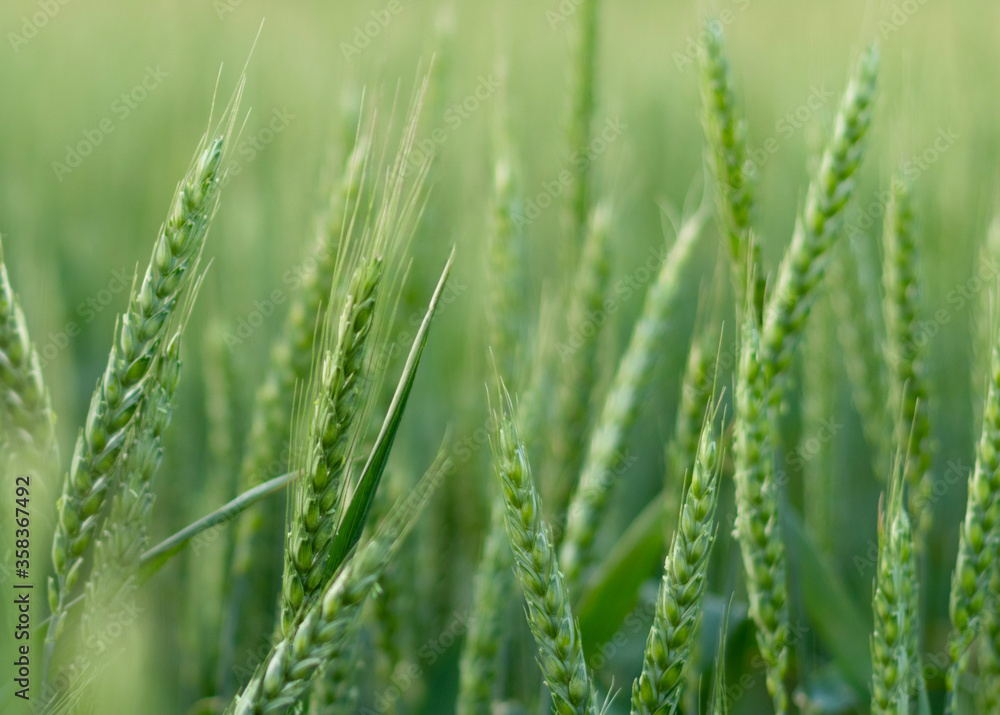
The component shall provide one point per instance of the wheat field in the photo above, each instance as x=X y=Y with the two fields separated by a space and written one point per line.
x=427 y=357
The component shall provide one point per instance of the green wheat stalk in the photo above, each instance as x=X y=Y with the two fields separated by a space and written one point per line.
x=578 y=360
x=119 y=395
x=895 y=648
x=725 y=132
x=679 y=603
x=907 y=383
x=584 y=81
x=25 y=409
x=478 y=664
x=819 y=406
x=334 y=419
x=550 y=618
x=816 y=231
x=758 y=528
x=852 y=302
x=979 y=538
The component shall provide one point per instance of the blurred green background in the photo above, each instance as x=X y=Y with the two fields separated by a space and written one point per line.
x=68 y=235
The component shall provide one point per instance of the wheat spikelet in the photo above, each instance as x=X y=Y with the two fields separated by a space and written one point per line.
x=907 y=384
x=805 y=259
x=895 y=655
x=118 y=399
x=725 y=131
x=25 y=412
x=679 y=603
x=758 y=527
x=320 y=491
x=550 y=617
x=979 y=538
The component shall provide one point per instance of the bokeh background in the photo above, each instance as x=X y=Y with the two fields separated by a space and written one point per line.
x=75 y=236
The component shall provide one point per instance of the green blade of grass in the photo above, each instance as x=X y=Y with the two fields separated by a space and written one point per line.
x=361 y=503
x=154 y=559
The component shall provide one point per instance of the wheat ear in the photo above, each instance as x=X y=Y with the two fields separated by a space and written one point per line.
x=621 y=406
x=112 y=581
x=895 y=654
x=679 y=603
x=290 y=363
x=25 y=410
x=758 y=528
x=323 y=638
x=578 y=361
x=725 y=131
x=815 y=233
x=550 y=617
x=907 y=383
x=120 y=391
x=979 y=538
x=320 y=490
x=696 y=393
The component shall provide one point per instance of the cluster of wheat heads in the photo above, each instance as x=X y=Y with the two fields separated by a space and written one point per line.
x=334 y=546
x=561 y=572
